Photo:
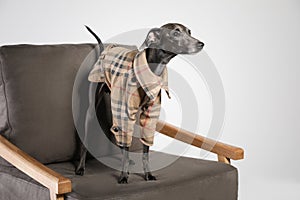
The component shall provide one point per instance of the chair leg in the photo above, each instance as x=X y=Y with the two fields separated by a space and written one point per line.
x=54 y=196
x=223 y=159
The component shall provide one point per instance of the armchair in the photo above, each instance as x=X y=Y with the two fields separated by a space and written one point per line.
x=38 y=139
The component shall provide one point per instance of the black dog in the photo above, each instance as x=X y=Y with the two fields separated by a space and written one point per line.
x=161 y=45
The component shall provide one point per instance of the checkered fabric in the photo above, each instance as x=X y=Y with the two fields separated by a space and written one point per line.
x=135 y=92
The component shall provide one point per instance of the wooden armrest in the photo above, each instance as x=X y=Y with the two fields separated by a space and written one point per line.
x=224 y=151
x=57 y=184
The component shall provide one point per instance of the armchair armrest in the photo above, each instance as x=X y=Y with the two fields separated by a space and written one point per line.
x=225 y=152
x=56 y=183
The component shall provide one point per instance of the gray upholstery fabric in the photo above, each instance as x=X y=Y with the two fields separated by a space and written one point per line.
x=187 y=178
x=15 y=185
x=36 y=98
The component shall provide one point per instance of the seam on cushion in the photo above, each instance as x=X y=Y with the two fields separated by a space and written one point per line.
x=24 y=181
x=5 y=96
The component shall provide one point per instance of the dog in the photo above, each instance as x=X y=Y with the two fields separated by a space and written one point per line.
x=160 y=46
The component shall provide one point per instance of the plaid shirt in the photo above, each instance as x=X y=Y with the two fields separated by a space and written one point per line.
x=135 y=92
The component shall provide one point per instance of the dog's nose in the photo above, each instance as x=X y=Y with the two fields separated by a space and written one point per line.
x=200 y=44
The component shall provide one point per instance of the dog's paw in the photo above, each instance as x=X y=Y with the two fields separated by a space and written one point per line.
x=149 y=177
x=79 y=172
x=123 y=179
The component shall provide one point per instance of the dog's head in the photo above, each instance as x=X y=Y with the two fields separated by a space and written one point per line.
x=173 y=37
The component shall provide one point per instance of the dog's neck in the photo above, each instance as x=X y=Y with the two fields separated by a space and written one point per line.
x=158 y=59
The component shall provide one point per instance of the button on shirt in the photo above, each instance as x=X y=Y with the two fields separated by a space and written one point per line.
x=135 y=92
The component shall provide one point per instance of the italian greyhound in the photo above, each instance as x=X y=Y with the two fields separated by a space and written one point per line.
x=161 y=45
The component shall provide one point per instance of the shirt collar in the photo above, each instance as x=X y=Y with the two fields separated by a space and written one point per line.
x=150 y=82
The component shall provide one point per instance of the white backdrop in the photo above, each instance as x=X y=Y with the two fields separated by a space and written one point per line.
x=254 y=45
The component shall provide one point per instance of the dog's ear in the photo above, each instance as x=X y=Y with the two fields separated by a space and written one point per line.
x=153 y=36
x=152 y=39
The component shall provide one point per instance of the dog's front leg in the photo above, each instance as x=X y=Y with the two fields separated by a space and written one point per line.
x=148 y=175
x=125 y=165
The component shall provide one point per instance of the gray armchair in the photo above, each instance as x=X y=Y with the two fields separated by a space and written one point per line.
x=38 y=139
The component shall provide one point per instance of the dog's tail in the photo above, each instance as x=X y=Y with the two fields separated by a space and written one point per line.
x=101 y=46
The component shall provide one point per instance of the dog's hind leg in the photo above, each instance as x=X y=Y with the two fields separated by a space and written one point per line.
x=148 y=174
x=80 y=167
x=125 y=165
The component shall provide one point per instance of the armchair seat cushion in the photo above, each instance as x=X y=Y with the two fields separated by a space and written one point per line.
x=186 y=178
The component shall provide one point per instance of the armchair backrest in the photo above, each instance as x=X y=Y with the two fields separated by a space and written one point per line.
x=36 y=83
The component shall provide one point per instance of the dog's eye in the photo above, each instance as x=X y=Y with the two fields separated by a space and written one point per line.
x=176 y=33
